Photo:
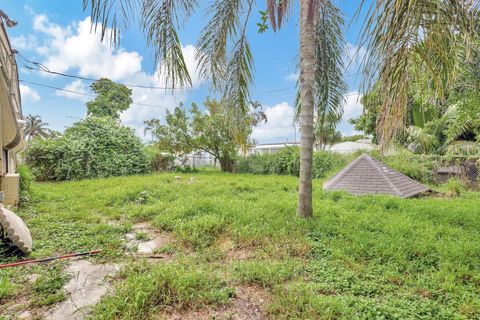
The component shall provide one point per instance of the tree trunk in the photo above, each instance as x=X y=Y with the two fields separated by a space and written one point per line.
x=307 y=82
x=227 y=164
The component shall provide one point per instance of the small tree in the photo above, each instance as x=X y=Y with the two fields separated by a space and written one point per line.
x=175 y=136
x=112 y=98
x=215 y=134
x=215 y=131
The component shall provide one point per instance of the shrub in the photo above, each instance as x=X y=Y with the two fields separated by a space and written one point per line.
x=287 y=162
x=159 y=161
x=256 y=164
x=417 y=167
x=26 y=178
x=94 y=147
x=454 y=187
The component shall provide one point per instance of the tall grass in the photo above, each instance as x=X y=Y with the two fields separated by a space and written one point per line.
x=371 y=257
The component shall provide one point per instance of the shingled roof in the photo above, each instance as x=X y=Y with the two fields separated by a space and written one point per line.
x=366 y=175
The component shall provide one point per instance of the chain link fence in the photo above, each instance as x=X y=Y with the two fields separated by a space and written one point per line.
x=198 y=160
x=465 y=169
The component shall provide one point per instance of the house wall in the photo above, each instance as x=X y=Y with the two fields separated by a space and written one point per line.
x=11 y=138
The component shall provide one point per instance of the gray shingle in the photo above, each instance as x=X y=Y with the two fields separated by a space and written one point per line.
x=366 y=175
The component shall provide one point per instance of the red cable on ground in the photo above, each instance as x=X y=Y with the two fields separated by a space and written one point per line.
x=66 y=256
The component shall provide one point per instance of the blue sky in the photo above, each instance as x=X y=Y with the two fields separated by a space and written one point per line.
x=57 y=34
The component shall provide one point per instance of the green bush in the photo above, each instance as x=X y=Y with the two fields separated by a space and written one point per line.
x=454 y=187
x=255 y=164
x=287 y=162
x=417 y=167
x=159 y=161
x=94 y=147
x=26 y=178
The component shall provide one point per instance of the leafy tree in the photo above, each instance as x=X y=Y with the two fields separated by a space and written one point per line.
x=175 y=136
x=367 y=122
x=112 y=98
x=94 y=147
x=35 y=127
x=434 y=35
x=432 y=121
x=213 y=131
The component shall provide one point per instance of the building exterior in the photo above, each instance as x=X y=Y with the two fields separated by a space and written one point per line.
x=342 y=147
x=270 y=148
x=11 y=136
x=353 y=146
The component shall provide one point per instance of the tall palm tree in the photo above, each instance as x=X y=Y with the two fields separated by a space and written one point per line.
x=224 y=55
x=35 y=127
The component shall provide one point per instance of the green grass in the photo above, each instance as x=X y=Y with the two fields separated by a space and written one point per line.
x=373 y=257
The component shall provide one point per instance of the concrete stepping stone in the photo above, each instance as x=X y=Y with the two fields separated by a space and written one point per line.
x=89 y=283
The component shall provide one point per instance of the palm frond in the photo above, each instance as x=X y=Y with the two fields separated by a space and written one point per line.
x=113 y=15
x=330 y=86
x=393 y=30
x=212 y=45
x=278 y=10
x=160 y=20
x=420 y=140
x=463 y=148
x=238 y=74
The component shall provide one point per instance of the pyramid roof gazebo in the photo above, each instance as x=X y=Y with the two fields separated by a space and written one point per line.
x=366 y=175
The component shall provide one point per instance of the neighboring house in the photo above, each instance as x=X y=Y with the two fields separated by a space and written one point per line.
x=11 y=136
x=342 y=147
x=353 y=146
x=270 y=148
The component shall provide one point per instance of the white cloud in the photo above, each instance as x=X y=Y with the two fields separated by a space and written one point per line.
x=75 y=86
x=279 y=126
x=292 y=77
x=29 y=94
x=353 y=107
x=75 y=49
x=355 y=55
x=24 y=42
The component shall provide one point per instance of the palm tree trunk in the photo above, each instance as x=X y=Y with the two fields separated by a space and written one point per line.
x=307 y=75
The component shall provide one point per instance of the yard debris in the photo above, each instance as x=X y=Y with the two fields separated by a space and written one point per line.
x=192 y=180
x=16 y=230
x=178 y=178
x=66 y=256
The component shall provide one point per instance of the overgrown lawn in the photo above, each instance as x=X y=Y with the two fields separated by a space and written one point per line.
x=372 y=257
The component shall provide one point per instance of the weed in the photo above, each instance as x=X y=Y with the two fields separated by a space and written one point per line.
x=152 y=288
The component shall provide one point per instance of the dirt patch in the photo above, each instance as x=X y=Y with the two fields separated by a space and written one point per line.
x=234 y=253
x=249 y=304
x=150 y=241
